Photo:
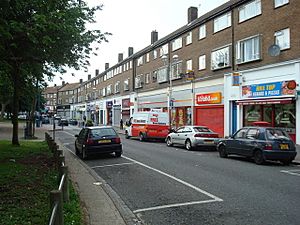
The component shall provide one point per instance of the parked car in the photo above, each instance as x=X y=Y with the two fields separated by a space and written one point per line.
x=192 y=137
x=73 y=122
x=95 y=140
x=45 y=120
x=22 y=117
x=259 y=143
x=63 y=122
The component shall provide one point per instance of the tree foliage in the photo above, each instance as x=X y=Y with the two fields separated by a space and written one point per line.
x=41 y=37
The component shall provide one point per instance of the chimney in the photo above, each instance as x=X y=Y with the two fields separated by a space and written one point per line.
x=120 y=57
x=154 y=36
x=96 y=72
x=63 y=83
x=106 y=66
x=80 y=81
x=130 y=51
x=192 y=14
x=89 y=76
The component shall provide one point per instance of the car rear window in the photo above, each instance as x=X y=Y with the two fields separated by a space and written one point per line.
x=201 y=129
x=276 y=134
x=98 y=133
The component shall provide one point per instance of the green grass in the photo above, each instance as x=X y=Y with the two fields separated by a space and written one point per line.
x=27 y=175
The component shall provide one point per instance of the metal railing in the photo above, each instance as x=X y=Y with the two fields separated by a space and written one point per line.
x=61 y=195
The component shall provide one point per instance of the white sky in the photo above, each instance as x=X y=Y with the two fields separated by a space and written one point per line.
x=131 y=23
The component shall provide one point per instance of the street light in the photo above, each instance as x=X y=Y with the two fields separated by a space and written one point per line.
x=169 y=64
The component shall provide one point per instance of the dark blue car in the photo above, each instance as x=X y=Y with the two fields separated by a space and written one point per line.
x=259 y=143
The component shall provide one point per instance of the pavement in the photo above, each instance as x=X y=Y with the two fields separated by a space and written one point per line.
x=102 y=206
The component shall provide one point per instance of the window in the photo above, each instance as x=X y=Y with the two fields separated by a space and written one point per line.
x=139 y=81
x=162 y=75
x=154 y=76
x=252 y=133
x=248 y=50
x=202 y=62
x=126 y=85
x=222 y=22
x=130 y=65
x=282 y=38
x=140 y=61
x=147 y=78
x=220 y=58
x=280 y=2
x=147 y=57
x=154 y=54
x=164 y=50
x=109 y=89
x=117 y=87
x=189 y=65
x=188 y=39
x=177 y=44
x=176 y=70
x=249 y=10
x=240 y=134
x=202 y=31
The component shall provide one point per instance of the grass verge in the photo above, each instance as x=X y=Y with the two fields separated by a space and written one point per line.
x=27 y=175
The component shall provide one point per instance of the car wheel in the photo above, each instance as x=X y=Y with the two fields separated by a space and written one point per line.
x=142 y=137
x=169 y=142
x=223 y=152
x=286 y=162
x=258 y=157
x=118 y=154
x=84 y=155
x=126 y=135
x=188 y=145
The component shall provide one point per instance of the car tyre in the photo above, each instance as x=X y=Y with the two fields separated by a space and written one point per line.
x=188 y=145
x=118 y=154
x=286 y=162
x=258 y=157
x=126 y=135
x=223 y=152
x=76 y=151
x=169 y=142
x=142 y=137
x=83 y=154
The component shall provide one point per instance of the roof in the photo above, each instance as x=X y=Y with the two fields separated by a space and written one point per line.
x=52 y=89
x=69 y=87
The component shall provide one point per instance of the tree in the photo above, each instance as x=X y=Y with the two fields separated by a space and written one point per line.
x=41 y=37
x=6 y=91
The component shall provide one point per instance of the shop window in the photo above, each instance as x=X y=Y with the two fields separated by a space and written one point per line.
x=252 y=113
x=285 y=115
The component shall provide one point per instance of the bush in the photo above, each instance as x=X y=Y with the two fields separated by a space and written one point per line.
x=89 y=123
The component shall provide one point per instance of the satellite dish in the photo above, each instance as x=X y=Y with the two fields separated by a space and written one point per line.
x=274 y=50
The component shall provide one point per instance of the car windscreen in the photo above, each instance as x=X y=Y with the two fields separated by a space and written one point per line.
x=273 y=134
x=201 y=129
x=103 y=132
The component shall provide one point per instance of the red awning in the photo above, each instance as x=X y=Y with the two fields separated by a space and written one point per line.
x=264 y=101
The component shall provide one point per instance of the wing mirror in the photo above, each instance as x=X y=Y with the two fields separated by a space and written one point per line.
x=76 y=135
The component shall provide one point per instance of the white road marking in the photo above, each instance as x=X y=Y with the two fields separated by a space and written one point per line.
x=174 y=205
x=214 y=198
x=119 y=164
x=291 y=172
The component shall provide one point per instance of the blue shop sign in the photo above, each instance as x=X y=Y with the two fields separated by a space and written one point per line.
x=274 y=89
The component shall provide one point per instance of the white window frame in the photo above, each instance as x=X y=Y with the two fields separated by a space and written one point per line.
x=126 y=84
x=154 y=54
x=189 y=65
x=117 y=87
x=177 y=44
x=147 y=78
x=139 y=81
x=109 y=89
x=162 y=75
x=202 y=31
x=278 y=3
x=248 y=49
x=140 y=61
x=189 y=38
x=282 y=38
x=176 y=70
x=164 y=50
x=249 y=10
x=220 y=56
x=222 y=22
x=147 y=57
x=202 y=62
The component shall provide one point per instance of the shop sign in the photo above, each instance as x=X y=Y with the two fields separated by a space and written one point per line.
x=190 y=75
x=235 y=79
x=209 y=98
x=282 y=88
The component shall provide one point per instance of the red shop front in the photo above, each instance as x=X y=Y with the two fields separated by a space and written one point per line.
x=210 y=113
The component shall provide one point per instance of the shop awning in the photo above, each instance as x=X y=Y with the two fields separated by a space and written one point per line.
x=264 y=101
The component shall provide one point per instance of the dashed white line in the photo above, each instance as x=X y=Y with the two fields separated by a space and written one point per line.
x=111 y=165
x=291 y=172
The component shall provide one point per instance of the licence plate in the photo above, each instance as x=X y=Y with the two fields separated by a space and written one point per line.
x=284 y=146
x=104 y=141
x=208 y=141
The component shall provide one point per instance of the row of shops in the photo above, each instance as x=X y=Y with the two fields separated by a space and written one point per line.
x=268 y=95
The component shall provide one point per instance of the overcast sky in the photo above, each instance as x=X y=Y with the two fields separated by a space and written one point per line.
x=131 y=23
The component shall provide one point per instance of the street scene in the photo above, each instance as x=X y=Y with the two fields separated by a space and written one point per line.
x=195 y=123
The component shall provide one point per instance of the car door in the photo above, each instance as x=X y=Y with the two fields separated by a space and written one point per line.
x=249 y=142
x=234 y=144
x=177 y=135
x=187 y=131
x=81 y=138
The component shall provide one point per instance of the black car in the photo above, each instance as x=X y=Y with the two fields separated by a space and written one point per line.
x=95 y=140
x=73 y=122
x=63 y=122
x=259 y=143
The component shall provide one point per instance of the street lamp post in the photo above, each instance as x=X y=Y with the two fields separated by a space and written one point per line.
x=167 y=62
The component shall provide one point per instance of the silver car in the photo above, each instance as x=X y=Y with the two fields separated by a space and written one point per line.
x=192 y=137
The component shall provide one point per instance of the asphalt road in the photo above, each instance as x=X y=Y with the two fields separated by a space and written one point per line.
x=163 y=185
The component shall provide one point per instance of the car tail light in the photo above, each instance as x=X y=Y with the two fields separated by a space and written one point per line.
x=118 y=140
x=207 y=135
x=268 y=146
x=89 y=141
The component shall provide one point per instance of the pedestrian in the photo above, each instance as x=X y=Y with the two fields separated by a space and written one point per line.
x=121 y=124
